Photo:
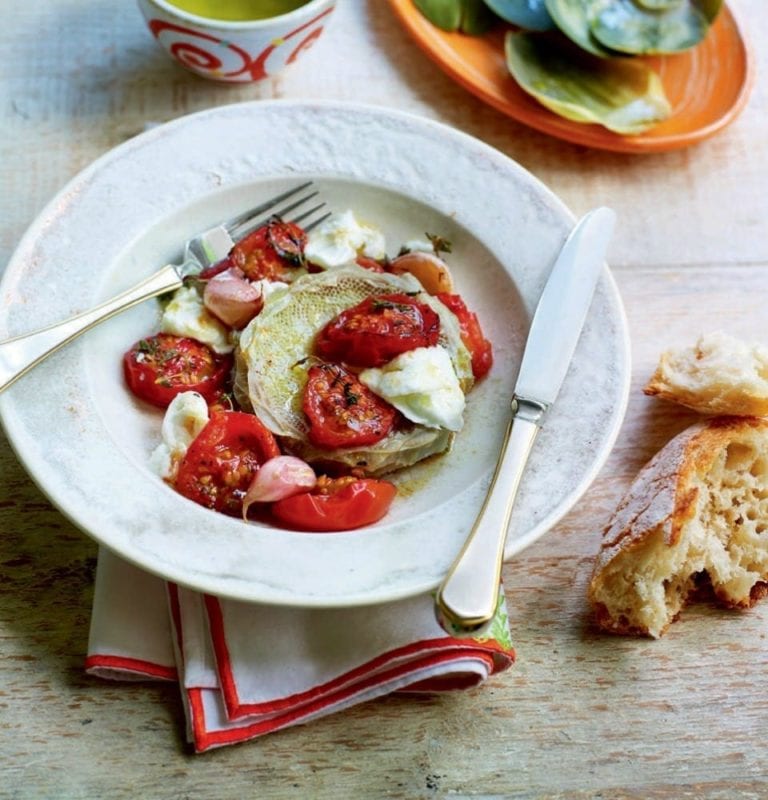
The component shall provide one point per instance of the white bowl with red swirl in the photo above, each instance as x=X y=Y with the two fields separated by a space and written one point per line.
x=235 y=52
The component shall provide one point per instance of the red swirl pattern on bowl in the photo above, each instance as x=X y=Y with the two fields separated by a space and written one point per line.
x=257 y=54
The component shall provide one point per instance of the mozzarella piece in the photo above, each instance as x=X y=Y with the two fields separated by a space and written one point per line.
x=341 y=239
x=422 y=385
x=268 y=288
x=419 y=246
x=185 y=315
x=161 y=462
x=185 y=417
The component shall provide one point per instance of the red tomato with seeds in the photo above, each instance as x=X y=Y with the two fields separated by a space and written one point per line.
x=271 y=251
x=160 y=367
x=471 y=334
x=366 y=262
x=221 y=401
x=336 y=504
x=342 y=411
x=376 y=330
x=221 y=461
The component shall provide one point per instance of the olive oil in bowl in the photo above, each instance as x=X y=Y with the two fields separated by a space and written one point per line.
x=238 y=10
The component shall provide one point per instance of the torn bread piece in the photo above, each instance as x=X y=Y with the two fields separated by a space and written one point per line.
x=719 y=375
x=698 y=511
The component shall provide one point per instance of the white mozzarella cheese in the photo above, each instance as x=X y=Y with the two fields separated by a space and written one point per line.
x=419 y=246
x=268 y=288
x=422 y=385
x=185 y=417
x=341 y=239
x=185 y=315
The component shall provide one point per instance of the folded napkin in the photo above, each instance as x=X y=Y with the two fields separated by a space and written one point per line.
x=246 y=670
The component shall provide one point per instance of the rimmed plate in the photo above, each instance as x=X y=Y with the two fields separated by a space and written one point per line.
x=85 y=440
x=707 y=86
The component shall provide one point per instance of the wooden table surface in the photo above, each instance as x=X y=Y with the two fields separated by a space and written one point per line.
x=580 y=715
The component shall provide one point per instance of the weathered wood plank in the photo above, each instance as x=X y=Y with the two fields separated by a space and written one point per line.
x=580 y=715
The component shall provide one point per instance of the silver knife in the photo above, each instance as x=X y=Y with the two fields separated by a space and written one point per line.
x=467 y=598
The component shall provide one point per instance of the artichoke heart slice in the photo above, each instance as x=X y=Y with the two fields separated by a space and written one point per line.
x=630 y=27
x=622 y=95
x=274 y=356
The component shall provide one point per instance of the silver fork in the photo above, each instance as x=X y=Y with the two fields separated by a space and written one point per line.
x=19 y=354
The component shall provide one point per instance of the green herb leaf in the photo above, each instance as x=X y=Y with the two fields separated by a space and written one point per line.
x=439 y=243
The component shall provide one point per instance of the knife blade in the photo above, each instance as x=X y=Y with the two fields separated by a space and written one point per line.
x=468 y=597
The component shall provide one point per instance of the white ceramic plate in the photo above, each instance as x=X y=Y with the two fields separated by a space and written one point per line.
x=85 y=440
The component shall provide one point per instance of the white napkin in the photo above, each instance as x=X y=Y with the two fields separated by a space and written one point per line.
x=246 y=669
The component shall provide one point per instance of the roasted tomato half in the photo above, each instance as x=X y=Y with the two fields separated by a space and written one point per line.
x=220 y=463
x=336 y=504
x=160 y=367
x=471 y=334
x=342 y=412
x=376 y=330
x=373 y=264
x=271 y=251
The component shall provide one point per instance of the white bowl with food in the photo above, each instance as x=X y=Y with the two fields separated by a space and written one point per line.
x=88 y=441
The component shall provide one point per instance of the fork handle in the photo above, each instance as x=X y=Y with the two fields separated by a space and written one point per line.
x=20 y=354
x=466 y=600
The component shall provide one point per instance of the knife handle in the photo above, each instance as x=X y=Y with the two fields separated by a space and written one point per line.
x=20 y=354
x=467 y=598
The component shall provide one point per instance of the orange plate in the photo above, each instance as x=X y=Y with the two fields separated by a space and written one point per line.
x=707 y=86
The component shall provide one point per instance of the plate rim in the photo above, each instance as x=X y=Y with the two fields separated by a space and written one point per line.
x=83 y=176
x=548 y=122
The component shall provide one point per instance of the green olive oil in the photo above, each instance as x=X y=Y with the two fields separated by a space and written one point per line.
x=238 y=10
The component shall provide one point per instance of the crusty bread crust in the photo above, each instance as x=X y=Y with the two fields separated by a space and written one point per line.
x=718 y=375
x=698 y=510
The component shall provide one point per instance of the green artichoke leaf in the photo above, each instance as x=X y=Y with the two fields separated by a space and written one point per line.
x=529 y=14
x=623 y=95
x=628 y=27
x=472 y=17
x=573 y=18
x=476 y=17
x=443 y=14
x=710 y=8
x=660 y=5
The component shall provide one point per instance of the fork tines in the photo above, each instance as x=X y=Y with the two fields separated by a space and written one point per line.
x=254 y=218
